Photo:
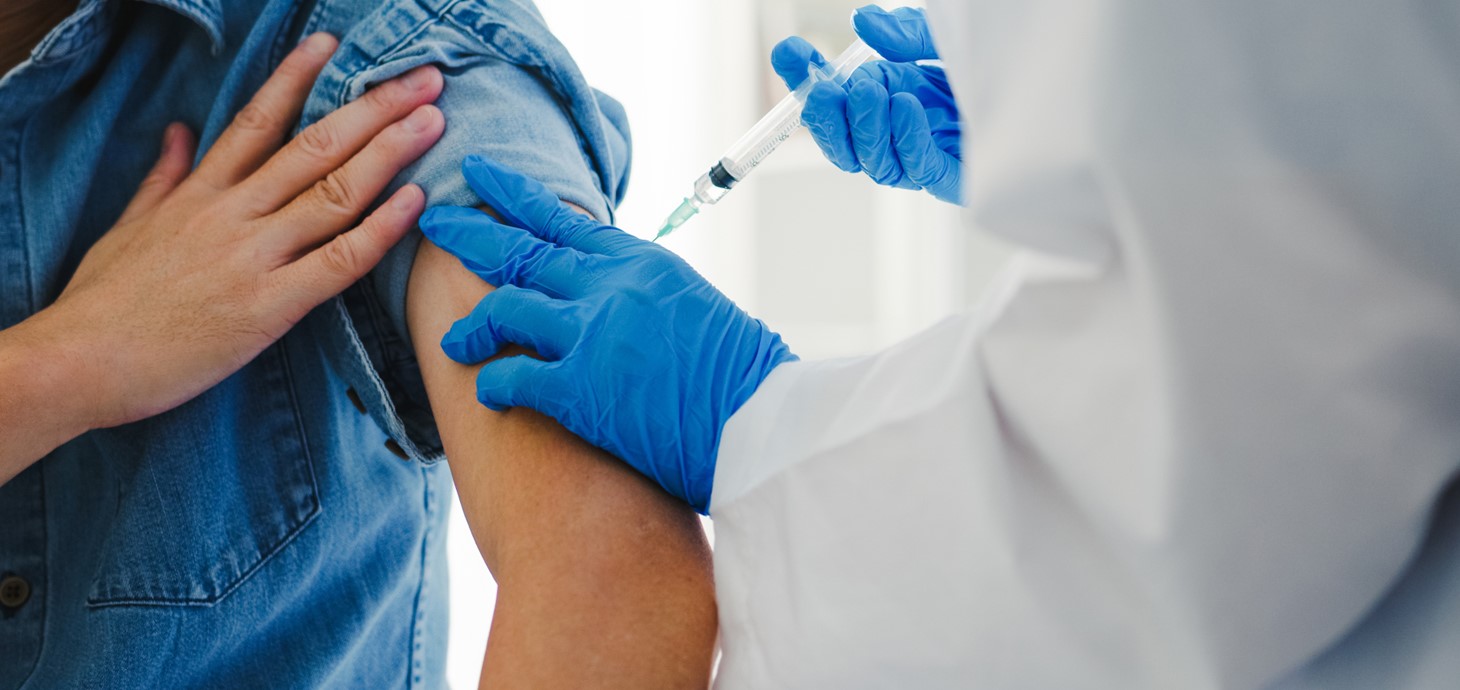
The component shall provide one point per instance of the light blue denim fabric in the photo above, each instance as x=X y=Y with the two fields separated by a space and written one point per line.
x=267 y=534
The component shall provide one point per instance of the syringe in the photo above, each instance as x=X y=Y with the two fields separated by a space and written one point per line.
x=763 y=139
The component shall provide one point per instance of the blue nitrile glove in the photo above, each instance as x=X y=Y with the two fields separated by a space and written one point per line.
x=894 y=119
x=641 y=356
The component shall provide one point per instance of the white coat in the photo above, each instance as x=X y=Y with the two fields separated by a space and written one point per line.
x=1209 y=444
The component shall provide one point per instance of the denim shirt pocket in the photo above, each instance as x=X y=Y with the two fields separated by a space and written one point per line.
x=207 y=493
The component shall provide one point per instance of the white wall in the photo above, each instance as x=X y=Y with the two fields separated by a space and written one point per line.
x=836 y=265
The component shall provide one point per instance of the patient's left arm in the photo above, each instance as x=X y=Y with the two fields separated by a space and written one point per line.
x=603 y=579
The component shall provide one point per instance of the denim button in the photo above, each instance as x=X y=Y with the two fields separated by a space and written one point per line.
x=14 y=592
x=396 y=450
x=355 y=400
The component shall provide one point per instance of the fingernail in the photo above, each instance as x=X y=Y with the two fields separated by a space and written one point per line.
x=419 y=77
x=421 y=120
x=406 y=197
x=318 y=44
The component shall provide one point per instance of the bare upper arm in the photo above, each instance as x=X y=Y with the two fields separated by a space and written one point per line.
x=602 y=577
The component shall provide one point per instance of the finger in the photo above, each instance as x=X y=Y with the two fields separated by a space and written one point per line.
x=528 y=204
x=522 y=381
x=901 y=35
x=513 y=316
x=326 y=145
x=171 y=168
x=792 y=60
x=870 y=119
x=505 y=255
x=259 y=129
x=335 y=202
x=327 y=271
x=897 y=78
x=825 y=117
x=926 y=164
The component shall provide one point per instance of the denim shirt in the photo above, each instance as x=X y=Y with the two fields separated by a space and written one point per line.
x=286 y=528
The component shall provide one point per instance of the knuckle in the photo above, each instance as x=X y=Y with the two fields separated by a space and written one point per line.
x=884 y=174
x=340 y=256
x=382 y=98
x=156 y=181
x=254 y=117
x=337 y=193
x=394 y=143
x=317 y=140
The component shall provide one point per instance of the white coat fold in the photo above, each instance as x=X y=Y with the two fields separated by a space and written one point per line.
x=1209 y=447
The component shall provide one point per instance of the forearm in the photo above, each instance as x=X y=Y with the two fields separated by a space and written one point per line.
x=603 y=579
x=43 y=402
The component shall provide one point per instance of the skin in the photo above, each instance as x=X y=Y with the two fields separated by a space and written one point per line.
x=206 y=268
x=604 y=580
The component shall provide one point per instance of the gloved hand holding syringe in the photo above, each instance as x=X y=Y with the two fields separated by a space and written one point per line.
x=765 y=137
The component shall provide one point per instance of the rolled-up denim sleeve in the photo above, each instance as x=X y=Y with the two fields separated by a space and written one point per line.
x=512 y=93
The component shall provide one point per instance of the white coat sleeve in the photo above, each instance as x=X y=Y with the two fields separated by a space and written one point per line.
x=1197 y=463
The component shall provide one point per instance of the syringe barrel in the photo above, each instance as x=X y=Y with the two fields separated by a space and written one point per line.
x=707 y=192
x=783 y=120
x=765 y=137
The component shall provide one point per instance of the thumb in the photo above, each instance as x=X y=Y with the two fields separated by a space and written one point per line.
x=792 y=60
x=901 y=35
x=172 y=166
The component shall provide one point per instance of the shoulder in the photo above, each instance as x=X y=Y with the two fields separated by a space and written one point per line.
x=513 y=90
x=509 y=29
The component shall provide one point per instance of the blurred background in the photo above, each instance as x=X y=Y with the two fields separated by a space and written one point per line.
x=835 y=264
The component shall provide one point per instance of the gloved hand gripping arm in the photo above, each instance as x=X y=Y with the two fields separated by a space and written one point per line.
x=642 y=356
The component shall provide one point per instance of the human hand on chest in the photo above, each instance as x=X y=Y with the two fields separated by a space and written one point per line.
x=206 y=268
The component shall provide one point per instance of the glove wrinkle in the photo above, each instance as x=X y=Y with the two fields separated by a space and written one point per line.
x=644 y=358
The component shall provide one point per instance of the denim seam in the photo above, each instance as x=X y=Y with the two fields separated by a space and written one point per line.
x=281 y=47
x=61 y=45
x=398 y=355
x=393 y=350
x=385 y=57
x=195 y=13
x=422 y=18
x=395 y=425
x=27 y=261
x=417 y=612
x=267 y=555
x=408 y=442
x=528 y=56
x=318 y=14
x=49 y=586
x=208 y=602
x=299 y=427
x=445 y=15
x=535 y=58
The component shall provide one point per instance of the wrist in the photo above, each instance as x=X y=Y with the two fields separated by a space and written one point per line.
x=45 y=381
